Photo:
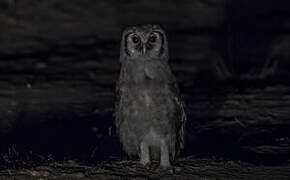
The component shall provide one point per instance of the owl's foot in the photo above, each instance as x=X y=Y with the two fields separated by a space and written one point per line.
x=169 y=170
x=164 y=155
x=165 y=164
x=144 y=154
x=145 y=162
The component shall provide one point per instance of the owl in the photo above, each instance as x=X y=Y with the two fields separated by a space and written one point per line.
x=149 y=113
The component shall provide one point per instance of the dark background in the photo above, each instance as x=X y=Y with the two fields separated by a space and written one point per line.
x=59 y=61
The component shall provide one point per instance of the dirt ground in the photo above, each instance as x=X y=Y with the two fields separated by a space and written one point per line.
x=185 y=168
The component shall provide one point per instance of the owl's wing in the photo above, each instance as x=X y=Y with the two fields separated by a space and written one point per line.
x=181 y=116
x=181 y=111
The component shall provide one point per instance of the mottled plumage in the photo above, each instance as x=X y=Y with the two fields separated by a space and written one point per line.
x=150 y=117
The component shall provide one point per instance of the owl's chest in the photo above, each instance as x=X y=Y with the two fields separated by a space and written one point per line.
x=146 y=85
x=145 y=99
x=145 y=72
x=151 y=97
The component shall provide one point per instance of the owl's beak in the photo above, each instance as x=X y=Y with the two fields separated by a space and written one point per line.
x=144 y=49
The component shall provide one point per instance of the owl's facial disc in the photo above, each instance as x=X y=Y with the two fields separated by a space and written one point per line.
x=144 y=42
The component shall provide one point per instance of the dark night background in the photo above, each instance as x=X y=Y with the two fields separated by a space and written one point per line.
x=59 y=61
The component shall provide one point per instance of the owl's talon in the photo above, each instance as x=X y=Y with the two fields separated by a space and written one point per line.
x=170 y=169
x=166 y=169
x=144 y=162
x=165 y=166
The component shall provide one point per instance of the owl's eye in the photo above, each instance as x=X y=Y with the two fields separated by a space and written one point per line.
x=152 y=38
x=135 y=39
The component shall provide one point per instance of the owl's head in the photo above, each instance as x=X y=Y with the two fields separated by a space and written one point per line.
x=145 y=41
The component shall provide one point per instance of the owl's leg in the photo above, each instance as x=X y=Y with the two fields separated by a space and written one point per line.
x=144 y=154
x=164 y=154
